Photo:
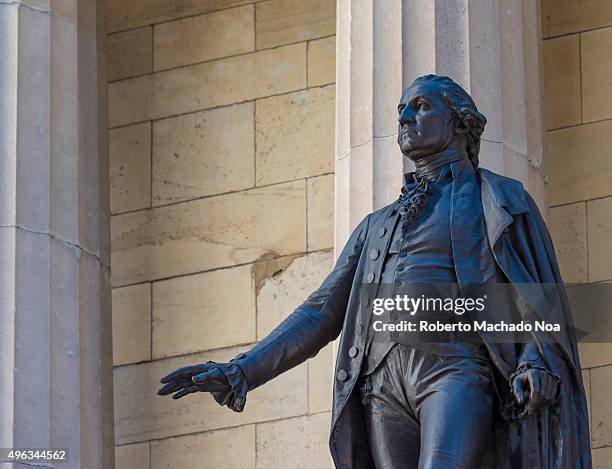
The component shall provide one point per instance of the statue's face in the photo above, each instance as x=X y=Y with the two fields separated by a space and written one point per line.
x=425 y=126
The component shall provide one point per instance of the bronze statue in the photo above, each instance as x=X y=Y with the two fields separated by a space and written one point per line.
x=453 y=404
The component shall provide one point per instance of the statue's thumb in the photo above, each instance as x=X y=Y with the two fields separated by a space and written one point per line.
x=201 y=378
x=519 y=392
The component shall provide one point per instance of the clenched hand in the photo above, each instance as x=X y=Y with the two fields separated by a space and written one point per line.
x=534 y=388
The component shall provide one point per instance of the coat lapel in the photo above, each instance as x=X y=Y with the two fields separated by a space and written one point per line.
x=502 y=198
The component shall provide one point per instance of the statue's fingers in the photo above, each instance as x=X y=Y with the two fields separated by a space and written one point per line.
x=536 y=399
x=211 y=381
x=165 y=390
x=178 y=373
x=519 y=390
x=184 y=392
x=174 y=386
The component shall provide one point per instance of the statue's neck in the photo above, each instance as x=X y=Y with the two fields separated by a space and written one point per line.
x=429 y=166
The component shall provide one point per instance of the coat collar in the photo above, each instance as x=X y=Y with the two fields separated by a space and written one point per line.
x=506 y=192
x=456 y=170
x=502 y=199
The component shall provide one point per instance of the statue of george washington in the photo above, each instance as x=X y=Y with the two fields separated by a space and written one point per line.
x=455 y=403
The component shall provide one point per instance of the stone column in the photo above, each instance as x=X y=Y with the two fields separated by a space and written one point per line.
x=55 y=322
x=490 y=47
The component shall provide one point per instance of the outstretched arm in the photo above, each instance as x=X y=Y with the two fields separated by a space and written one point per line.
x=312 y=325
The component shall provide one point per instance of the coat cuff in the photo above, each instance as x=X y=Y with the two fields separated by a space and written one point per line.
x=249 y=366
x=530 y=357
x=235 y=396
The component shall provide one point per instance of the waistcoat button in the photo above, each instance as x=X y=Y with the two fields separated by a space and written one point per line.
x=359 y=329
x=353 y=351
x=342 y=375
x=370 y=277
x=382 y=231
x=374 y=254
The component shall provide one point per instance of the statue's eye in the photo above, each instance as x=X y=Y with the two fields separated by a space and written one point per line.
x=422 y=105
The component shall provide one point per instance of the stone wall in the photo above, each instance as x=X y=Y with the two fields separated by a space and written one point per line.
x=221 y=143
x=221 y=116
x=578 y=104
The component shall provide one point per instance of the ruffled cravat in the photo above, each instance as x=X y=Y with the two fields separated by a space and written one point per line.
x=412 y=200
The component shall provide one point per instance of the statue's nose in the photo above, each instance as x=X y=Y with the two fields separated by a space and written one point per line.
x=406 y=116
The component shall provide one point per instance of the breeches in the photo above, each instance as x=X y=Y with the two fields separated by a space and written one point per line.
x=428 y=412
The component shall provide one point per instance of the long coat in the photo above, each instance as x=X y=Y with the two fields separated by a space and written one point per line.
x=556 y=437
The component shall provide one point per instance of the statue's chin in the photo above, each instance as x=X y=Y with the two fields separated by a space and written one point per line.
x=411 y=153
x=406 y=149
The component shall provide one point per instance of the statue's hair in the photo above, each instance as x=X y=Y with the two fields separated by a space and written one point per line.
x=463 y=111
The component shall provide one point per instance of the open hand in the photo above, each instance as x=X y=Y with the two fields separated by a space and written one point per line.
x=206 y=377
x=535 y=388
x=225 y=381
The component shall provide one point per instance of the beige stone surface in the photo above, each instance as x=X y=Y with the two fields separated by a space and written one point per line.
x=203 y=153
x=280 y=294
x=602 y=458
x=601 y=406
x=322 y=61
x=567 y=225
x=144 y=415
x=130 y=167
x=197 y=313
x=320 y=212
x=596 y=62
x=287 y=21
x=294 y=135
x=387 y=62
x=131 y=100
x=569 y=16
x=131 y=324
x=204 y=37
x=296 y=443
x=562 y=81
x=579 y=164
x=127 y=15
x=210 y=84
x=209 y=233
x=321 y=380
x=132 y=456
x=130 y=53
x=595 y=354
x=56 y=335
x=233 y=448
x=599 y=214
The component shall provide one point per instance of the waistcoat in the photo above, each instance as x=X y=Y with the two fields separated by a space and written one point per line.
x=447 y=242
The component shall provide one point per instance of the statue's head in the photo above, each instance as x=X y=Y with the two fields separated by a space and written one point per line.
x=435 y=113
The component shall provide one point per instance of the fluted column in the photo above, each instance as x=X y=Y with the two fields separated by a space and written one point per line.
x=490 y=47
x=55 y=323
